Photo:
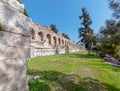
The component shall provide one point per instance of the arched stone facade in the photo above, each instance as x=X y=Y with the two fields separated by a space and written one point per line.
x=51 y=43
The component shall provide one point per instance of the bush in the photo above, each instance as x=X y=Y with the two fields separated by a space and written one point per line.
x=1 y=27
x=19 y=1
x=25 y=12
x=117 y=51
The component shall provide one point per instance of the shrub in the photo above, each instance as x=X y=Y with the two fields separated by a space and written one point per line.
x=117 y=51
x=1 y=27
x=25 y=12
x=19 y=1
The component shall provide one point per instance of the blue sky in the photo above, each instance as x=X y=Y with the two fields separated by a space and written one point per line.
x=65 y=14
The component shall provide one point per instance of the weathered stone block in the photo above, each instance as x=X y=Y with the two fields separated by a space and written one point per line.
x=16 y=40
x=14 y=4
x=13 y=75
x=14 y=21
x=8 y=52
x=14 y=46
x=19 y=85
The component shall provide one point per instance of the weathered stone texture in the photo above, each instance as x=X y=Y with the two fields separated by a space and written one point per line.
x=46 y=42
x=15 y=43
x=13 y=20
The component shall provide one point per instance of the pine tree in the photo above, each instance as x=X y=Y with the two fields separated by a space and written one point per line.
x=53 y=28
x=65 y=35
x=85 y=32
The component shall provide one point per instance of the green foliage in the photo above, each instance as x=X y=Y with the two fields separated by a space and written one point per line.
x=25 y=12
x=117 y=50
x=115 y=6
x=73 y=72
x=65 y=35
x=53 y=28
x=20 y=1
x=109 y=37
x=85 y=32
x=1 y=27
x=90 y=38
x=110 y=34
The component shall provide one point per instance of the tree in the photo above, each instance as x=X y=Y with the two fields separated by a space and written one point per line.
x=53 y=28
x=65 y=35
x=110 y=38
x=110 y=34
x=115 y=6
x=85 y=32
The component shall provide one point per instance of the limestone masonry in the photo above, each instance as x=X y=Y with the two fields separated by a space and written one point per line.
x=20 y=39
x=46 y=42
x=15 y=43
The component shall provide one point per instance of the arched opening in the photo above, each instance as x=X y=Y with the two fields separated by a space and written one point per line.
x=49 y=38
x=41 y=36
x=55 y=40
x=63 y=42
x=66 y=42
x=33 y=34
x=59 y=41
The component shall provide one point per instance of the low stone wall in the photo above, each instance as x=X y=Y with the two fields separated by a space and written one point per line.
x=37 y=51
x=15 y=43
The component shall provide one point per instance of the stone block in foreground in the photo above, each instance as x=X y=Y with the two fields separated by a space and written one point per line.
x=14 y=46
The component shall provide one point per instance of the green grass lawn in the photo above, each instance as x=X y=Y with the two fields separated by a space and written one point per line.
x=73 y=72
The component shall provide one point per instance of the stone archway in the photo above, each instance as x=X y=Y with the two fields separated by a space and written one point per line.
x=65 y=42
x=59 y=41
x=55 y=40
x=33 y=34
x=49 y=38
x=62 y=42
x=41 y=36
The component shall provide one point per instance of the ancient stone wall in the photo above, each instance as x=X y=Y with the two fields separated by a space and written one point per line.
x=15 y=43
x=20 y=39
x=46 y=42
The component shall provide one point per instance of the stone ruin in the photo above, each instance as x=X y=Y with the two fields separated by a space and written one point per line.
x=45 y=42
x=20 y=39
x=15 y=42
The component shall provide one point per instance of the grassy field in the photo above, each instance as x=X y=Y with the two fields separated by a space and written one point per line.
x=73 y=72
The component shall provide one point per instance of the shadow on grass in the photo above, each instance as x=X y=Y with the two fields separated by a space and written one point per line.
x=39 y=86
x=57 y=81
